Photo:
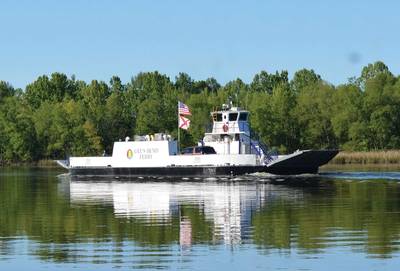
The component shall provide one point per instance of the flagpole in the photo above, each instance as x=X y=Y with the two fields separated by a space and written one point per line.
x=179 y=136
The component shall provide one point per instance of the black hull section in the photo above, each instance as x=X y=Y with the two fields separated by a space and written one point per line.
x=305 y=162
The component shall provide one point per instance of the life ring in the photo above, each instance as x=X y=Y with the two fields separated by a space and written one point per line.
x=225 y=128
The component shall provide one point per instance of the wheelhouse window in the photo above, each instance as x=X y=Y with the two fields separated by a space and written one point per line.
x=219 y=117
x=243 y=116
x=233 y=116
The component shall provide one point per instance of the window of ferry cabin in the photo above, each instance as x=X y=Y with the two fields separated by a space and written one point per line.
x=233 y=116
x=243 y=116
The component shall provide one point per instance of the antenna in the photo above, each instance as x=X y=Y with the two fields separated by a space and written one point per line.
x=230 y=103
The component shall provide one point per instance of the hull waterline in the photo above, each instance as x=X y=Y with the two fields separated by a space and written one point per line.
x=304 y=162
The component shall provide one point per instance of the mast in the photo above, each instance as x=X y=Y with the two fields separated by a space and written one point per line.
x=179 y=134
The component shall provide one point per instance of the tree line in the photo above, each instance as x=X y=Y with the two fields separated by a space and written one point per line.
x=56 y=116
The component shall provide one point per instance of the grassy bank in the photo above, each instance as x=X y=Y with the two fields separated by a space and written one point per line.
x=371 y=157
x=40 y=163
x=381 y=158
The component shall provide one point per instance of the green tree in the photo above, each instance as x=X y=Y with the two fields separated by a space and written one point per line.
x=372 y=70
x=347 y=116
x=210 y=84
x=150 y=83
x=156 y=101
x=53 y=89
x=17 y=139
x=200 y=119
x=304 y=78
x=265 y=82
x=94 y=101
x=184 y=83
x=6 y=90
x=284 y=132
x=117 y=124
x=237 y=91
x=55 y=115
x=381 y=111
x=260 y=117
x=314 y=115
x=148 y=117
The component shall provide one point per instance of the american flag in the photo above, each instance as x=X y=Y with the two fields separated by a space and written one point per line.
x=183 y=109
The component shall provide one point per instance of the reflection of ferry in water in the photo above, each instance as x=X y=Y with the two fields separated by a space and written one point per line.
x=230 y=149
x=229 y=206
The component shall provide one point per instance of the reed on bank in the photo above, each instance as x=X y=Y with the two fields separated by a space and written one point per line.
x=370 y=157
x=44 y=163
x=343 y=158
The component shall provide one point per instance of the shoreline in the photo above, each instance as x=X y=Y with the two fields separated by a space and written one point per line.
x=359 y=167
x=390 y=157
x=372 y=159
x=40 y=164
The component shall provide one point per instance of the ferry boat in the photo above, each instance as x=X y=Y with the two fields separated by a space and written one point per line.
x=230 y=148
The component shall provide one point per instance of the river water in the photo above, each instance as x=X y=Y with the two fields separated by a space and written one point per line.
x=335 y=221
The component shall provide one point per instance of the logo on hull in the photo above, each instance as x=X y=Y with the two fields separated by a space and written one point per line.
x=129 y=154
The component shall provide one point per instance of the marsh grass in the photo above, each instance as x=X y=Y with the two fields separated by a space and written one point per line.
x=44 y=163
x=371 y=157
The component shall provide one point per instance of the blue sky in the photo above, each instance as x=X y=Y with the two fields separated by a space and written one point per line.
x=221 y=39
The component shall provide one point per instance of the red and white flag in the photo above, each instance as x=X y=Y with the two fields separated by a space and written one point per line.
x=184 y=123
x=183 y=109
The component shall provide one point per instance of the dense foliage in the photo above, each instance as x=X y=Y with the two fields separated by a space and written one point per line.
x=58 y=116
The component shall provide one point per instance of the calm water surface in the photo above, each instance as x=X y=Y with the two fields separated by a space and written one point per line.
x=337 y=221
